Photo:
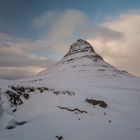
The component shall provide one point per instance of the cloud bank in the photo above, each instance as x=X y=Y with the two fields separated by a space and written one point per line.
x=19 y=57
x=68 y=27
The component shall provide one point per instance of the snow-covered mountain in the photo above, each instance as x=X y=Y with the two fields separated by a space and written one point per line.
x=82 y=57
x=81 y=97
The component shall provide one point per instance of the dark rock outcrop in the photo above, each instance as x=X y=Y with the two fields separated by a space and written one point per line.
x=75 y=110
x=102 y=104
x=79 y=47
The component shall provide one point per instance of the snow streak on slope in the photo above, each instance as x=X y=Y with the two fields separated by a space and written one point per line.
x=57 y=105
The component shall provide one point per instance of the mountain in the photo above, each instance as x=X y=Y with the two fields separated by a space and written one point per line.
x=81 y=97
x=82 y=57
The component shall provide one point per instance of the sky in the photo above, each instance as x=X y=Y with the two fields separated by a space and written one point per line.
x=34 y=34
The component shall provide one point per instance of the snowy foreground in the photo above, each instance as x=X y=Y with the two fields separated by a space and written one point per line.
x=56 y=106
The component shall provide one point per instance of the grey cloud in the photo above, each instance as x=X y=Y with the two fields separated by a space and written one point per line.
x=18 y=61
x=70 y=26
x=17 y=73
x=105 y=34
x=18 y=53
x=123 y=53
x=74 y=24
x=19 y=57
x=46 y=19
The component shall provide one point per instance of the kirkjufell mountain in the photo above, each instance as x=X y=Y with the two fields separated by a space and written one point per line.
x=82 y=57
x=81 y=97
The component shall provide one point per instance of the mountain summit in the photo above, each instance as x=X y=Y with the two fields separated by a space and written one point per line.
x=82 y=48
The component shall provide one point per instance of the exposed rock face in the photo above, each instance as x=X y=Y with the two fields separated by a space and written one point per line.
x=102 y=104
x=81 y=49
x=80 y=46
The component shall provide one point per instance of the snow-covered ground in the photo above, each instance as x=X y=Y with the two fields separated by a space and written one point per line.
x=53 y=112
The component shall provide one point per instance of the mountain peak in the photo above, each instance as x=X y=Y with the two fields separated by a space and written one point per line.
x=81 y=49
x=80 y=46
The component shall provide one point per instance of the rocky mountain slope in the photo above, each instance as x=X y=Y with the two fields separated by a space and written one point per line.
x=81 y=97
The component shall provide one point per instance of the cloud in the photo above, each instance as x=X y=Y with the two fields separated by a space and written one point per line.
x=69 y=26
x=46 y=19
x=12 y=73
x=20 y=52
x=17 y=56
x=123 y=53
